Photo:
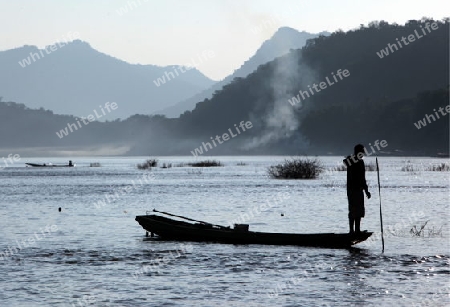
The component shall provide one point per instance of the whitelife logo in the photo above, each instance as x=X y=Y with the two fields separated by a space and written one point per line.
x=10 y=160
x=90 y=118
x=35 y=56
x=202 y=58
x=411 y=38
x=422 y=123
x=225 y=137
x=340 y=73
x=12 y=250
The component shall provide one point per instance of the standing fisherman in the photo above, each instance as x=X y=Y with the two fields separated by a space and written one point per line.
x=356 y=186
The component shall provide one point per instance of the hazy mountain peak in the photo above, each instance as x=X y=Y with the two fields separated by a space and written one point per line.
x=78 y=43
x=286 y=30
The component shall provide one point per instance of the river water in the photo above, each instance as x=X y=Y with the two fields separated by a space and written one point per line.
x=93 y=252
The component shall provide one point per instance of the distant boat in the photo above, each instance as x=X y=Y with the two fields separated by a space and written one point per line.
x=50 y=165
x=169 y=229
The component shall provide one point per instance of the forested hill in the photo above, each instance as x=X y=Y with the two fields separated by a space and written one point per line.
x=359 y=108
x=379 y=98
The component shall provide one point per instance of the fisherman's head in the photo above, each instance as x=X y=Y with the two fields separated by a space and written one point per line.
x=359 y=151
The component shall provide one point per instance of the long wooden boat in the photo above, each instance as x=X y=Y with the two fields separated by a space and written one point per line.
x=169 y=229
x=49 y=165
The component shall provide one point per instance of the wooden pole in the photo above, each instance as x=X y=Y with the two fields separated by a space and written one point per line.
x=186 y=218
x=379 y=193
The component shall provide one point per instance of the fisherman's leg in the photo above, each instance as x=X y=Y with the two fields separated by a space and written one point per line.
x=351 y=221
x=359 y=211
x=358 y=225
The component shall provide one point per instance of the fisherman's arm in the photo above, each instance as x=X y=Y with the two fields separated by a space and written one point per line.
x=365 y=187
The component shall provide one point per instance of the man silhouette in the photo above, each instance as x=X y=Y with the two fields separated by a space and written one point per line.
x=356 y=186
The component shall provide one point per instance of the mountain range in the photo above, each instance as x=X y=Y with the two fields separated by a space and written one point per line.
x=324 y=98
x=75 y=79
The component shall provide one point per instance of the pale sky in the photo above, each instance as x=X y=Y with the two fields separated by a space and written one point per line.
x=173 y=32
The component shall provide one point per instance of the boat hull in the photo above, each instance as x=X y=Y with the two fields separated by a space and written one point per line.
x=47 y=165
x=169 y=229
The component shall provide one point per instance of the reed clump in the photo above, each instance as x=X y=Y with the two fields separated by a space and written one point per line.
x=421 y=231
x=443 y=167
x=148 y=164
x=206 y=163
x=296 y=168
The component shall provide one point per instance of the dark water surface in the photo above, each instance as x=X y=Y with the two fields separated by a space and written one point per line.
x=94 y=253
